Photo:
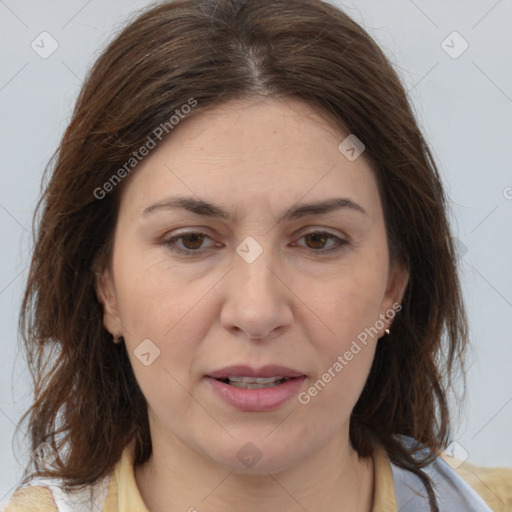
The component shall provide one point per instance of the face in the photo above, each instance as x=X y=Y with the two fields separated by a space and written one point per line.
x=193 y=293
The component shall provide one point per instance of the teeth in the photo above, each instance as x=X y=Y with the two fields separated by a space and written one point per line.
x=255 y=380
x=249 y=385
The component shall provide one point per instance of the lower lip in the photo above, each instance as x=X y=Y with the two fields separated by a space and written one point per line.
x=264 y=399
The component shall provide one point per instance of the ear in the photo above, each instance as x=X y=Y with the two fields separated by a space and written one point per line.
x=397 y=282
x=106 y=293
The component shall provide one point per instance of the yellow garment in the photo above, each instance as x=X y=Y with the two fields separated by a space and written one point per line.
x=494 y=485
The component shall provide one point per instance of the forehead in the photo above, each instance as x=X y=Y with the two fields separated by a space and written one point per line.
x=253 y=151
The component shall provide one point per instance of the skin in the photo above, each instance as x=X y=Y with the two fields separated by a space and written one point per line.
x=291 y=306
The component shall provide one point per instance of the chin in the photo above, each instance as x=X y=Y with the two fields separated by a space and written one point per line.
x=255 y=457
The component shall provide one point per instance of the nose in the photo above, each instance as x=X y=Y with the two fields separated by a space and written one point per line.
x=257 y=301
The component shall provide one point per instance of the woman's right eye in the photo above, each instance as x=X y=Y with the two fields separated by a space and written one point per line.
x=195 y=240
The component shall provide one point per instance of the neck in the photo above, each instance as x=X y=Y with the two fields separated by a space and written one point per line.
x=177 y=478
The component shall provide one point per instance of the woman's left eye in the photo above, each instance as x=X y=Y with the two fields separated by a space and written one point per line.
x=192 y=241
x=320 y=237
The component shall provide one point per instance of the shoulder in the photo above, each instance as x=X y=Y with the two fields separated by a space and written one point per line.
x=32 y=498
x=49 y=495
x=493 y=484
x=458 y=485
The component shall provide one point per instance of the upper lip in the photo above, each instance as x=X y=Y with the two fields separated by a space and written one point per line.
x=271 y=370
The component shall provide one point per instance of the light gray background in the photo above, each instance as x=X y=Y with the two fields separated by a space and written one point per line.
x=464 y=106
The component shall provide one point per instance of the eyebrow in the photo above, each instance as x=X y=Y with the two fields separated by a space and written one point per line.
x=207 y=209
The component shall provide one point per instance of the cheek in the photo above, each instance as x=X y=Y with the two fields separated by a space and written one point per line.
x=347 y=307
x=162 y=304
x=345 y=346
x=351 y=299
x=152 y=294
x=163 y=311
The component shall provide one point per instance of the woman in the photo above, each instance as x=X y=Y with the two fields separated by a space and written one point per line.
x=244 y=291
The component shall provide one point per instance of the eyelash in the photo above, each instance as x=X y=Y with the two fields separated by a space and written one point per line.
x=171 y=243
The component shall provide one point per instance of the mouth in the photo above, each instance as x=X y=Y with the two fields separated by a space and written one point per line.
x=251 y=389
x=256 y=390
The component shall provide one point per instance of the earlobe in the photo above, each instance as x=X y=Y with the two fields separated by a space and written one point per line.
x=105 y=292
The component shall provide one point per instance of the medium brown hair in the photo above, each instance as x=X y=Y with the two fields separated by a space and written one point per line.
x=86 y=398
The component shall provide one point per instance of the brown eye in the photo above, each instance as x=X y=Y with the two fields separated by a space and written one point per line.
x=316 y=242
x=191 y=243
x=195 y=241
